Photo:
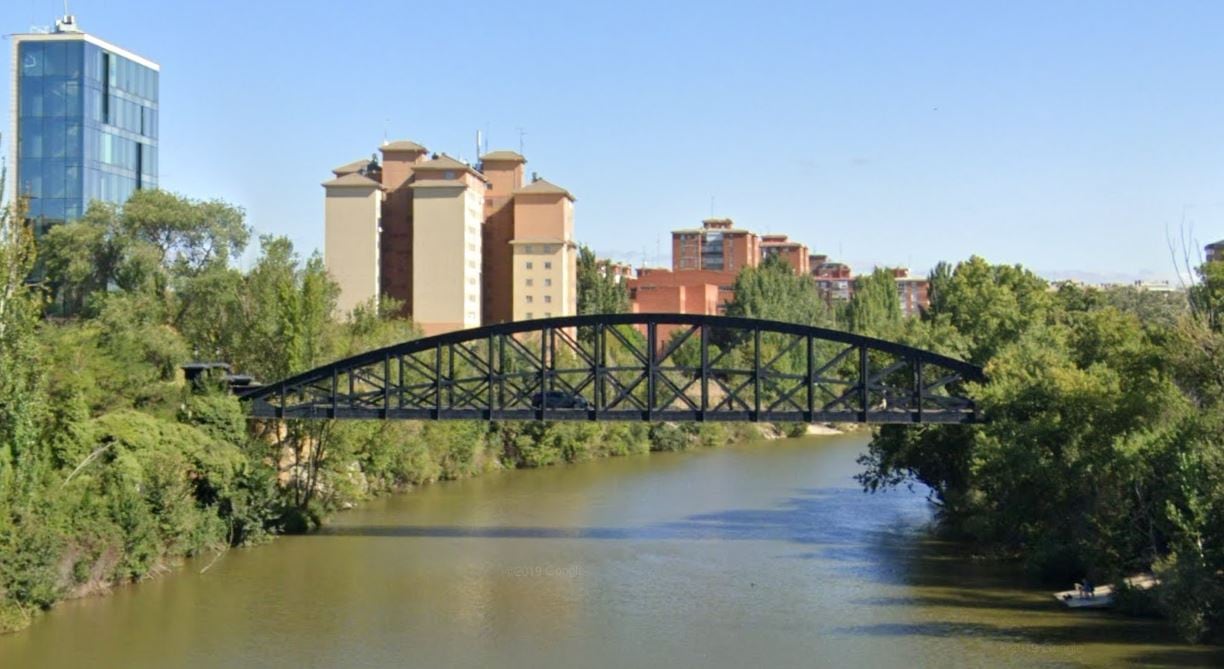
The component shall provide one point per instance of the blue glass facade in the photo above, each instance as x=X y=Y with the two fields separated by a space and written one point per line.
x=86 y=127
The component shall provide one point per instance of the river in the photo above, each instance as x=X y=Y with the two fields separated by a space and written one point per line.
x=764 y=554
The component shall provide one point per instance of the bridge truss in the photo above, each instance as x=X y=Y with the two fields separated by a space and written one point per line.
x=637 y=367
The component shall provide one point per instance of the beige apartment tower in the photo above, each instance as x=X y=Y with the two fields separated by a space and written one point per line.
x=545 y=256
x=352 y=210
x=447 y=214
x=458 y=245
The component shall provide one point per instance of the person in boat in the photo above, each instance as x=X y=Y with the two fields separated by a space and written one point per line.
x=1089 y=588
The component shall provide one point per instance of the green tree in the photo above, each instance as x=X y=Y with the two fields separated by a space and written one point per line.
x=1102 y=451
x=875 y=307
x=1207 y=296
x=772 y=291
x=598 y=293
x=990 y=304
x=157 y=242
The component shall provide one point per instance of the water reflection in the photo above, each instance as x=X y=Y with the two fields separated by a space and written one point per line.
x=825 y=516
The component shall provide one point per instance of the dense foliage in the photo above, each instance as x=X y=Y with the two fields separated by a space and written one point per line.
x=111 y=468
x=875 y=307
x=773 y=291
x=1104 y=451
x=598 y=291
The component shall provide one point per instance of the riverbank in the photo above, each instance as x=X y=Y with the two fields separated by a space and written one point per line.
x=357 y=467
x=764 y=552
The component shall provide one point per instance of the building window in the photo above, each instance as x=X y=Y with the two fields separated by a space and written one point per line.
x=528 y=264
x=548 y=299
x=472 y=264
x=471 y=298
x=547 y=314
x=530 y=249
x=547 y=264
x=547 y=282
x=529 y=315
x=527 y=299
x=529 y=282
x=448 y=174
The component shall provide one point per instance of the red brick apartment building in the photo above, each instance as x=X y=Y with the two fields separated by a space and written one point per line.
x=834 y=280
x=913 y=292
x=794 y=253
x=706 y=260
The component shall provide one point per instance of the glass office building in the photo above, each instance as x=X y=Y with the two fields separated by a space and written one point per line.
x=86 y=123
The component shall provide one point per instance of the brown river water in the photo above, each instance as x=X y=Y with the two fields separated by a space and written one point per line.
x=765 y=554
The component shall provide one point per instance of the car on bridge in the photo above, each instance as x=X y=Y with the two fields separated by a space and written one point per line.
x=559 y=399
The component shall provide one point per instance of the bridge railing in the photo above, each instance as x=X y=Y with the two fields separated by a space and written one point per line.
x=651 y=367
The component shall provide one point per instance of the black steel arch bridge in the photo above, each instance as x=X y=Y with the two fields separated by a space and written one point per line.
x=634 y=367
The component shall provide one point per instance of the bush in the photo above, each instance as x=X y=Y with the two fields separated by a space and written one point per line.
x=668 y=437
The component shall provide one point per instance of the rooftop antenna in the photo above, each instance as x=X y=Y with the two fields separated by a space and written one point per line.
x=479 y=136
x=386 y=123
x=522 y=133
x=67 y=24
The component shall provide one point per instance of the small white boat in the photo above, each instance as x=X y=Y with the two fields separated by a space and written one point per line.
x=1103 y=596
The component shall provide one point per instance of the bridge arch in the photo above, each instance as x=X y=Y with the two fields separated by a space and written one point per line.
x=640 y=367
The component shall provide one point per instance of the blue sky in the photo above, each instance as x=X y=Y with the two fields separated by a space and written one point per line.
x=1064 y=136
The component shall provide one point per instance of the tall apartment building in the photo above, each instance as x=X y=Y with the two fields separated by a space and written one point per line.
x=913 y=292
x=395 y=241
x=794 y=253
x=834 y=280
x=447 y=215
x=458 y=245
x=504 y=170
x=545 y=266
x=352 y=211
x=84 y=118
x=717 y=245
x=705 y=262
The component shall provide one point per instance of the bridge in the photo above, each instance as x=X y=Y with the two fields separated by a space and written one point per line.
x=634 y=367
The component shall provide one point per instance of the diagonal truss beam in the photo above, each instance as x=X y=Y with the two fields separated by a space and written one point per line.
x=543 y=370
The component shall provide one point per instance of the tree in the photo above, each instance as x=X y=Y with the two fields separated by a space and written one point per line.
x=875 y=307
x=598 y=292
x=20 y=368
x=157 y=242
x=85 y=258
x=773 y=291
x=28 y=548
x=282 y=313
x=189 y=235
x=990 y=304
x=1207 y=296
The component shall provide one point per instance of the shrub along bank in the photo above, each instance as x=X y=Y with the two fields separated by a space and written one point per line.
x=110 y=470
